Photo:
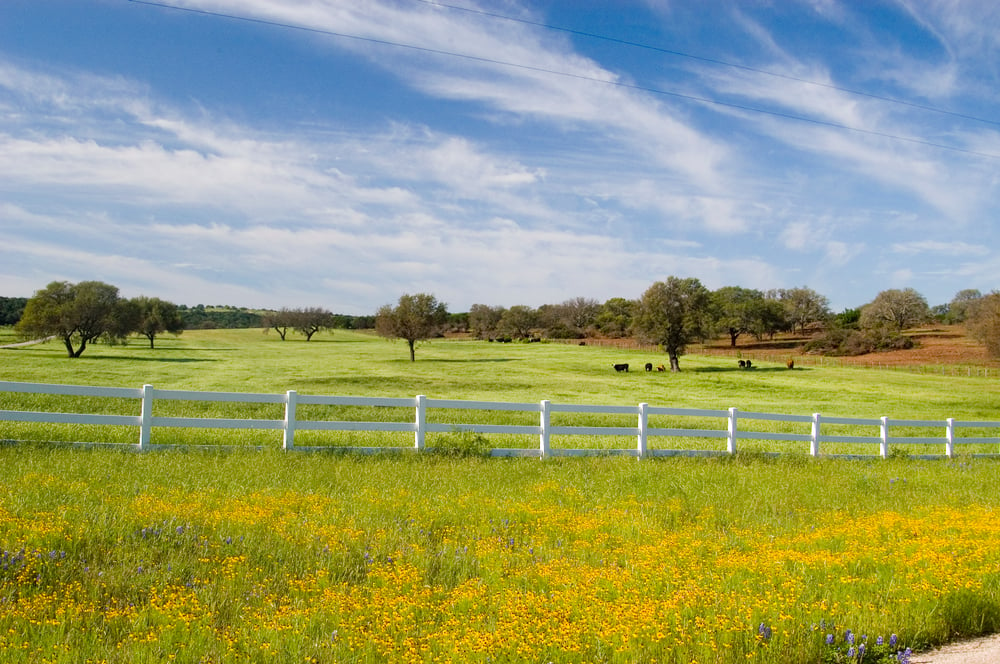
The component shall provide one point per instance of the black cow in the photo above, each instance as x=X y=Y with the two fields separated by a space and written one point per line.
x=649 y=366
x=743 y=365
x=620 y=367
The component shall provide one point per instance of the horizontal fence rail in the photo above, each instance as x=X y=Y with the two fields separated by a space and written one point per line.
x=729 y=428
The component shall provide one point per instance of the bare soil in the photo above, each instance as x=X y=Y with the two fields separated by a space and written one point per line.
x=938 y=345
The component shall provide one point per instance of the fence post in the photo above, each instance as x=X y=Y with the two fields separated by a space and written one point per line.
x=883 y=434
x=814 y=441
x=731 y=439
x=543 y=430
x=418 y=437
x=288 y=440
x=146 y=418
x=643 y=441
x=949 y=434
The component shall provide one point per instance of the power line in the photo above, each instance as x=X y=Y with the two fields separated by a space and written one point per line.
x=593 y=79
x=724 y=63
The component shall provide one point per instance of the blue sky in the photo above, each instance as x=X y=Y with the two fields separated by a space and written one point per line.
x=339 y=153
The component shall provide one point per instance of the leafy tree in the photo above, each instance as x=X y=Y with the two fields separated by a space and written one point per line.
x=962 y=304
x=11 y=309
x=983 y=322
x=312 y=320
x=802 y=306
x=578 y=315
x=484 y=320
x=848 y=319
x=896 y=308
x=518 y=322
x=414 y=318
x=737 y=310
x=673 y=314
x=615 y=318
x=769 y=318
x=279 y=321
x=156 y=316
x=78 y=314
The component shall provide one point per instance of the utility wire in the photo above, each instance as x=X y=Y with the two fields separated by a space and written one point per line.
x=734 y=65
x=593 y=79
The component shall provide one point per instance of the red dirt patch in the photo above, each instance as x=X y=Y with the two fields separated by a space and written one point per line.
x=940 y=345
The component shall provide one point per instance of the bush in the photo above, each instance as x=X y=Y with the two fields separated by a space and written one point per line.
x=841 y=342
x=461 y=444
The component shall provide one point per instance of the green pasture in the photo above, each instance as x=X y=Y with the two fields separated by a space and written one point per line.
x=209 y=556
x=361 y=364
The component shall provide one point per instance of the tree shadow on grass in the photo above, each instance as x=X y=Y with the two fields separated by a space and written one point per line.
x=447 y=360
x=139 y=358
x=751 y=370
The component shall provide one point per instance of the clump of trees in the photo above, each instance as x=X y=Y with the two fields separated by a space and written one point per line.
x=414 y=318
x=306 y=322
x=11 y=309
x=877 y=326
x=82 y=313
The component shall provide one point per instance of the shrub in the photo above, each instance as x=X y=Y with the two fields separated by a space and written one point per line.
x=841 y=341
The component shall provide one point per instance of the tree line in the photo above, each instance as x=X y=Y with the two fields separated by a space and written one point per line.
x=678 y=312
x=672 y=314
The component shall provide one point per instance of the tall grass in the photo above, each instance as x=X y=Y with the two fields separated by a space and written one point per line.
x=225 y=557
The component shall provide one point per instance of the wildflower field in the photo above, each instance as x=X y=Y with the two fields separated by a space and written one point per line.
x=245 y=555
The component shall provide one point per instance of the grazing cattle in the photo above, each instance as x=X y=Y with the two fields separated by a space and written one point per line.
x=743 y=365
x=661 y=368
x=749 y=364
x=649 y=366
x=620 y=367
x=790 y=364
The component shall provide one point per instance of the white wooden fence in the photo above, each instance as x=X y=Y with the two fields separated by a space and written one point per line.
x=731 y=421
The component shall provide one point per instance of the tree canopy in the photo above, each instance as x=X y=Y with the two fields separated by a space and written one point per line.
x=896 y=308
x=674 y=313
x=77 y=314
x=156 y=316
x=415 y=318
x=983 y=322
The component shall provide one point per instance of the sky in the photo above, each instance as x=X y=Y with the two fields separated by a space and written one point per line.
x=341 y=153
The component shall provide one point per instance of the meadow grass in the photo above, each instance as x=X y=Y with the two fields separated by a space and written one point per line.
x=241 y=555
x=263 y=556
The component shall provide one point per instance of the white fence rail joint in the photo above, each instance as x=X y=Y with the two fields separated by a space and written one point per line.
x=422 y=423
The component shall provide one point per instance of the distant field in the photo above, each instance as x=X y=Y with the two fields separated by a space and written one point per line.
x=351 y=363
x=237 y=556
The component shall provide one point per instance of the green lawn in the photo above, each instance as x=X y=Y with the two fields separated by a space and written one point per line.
x=350 y=363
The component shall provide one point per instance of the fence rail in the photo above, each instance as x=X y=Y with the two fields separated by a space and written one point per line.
x=420 y=426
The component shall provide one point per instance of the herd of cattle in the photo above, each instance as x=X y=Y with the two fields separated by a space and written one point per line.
x=649 y=367
x=744 y=364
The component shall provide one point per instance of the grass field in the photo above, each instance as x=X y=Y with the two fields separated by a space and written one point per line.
x=234 y=556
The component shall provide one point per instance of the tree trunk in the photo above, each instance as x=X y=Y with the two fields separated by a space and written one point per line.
x=79 y=351
x=675 y=363
x=412 y=343
x=150 y=337
x=732 y=337
x=69 y=346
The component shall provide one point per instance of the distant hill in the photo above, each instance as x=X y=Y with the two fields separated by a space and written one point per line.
x=203 y=317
